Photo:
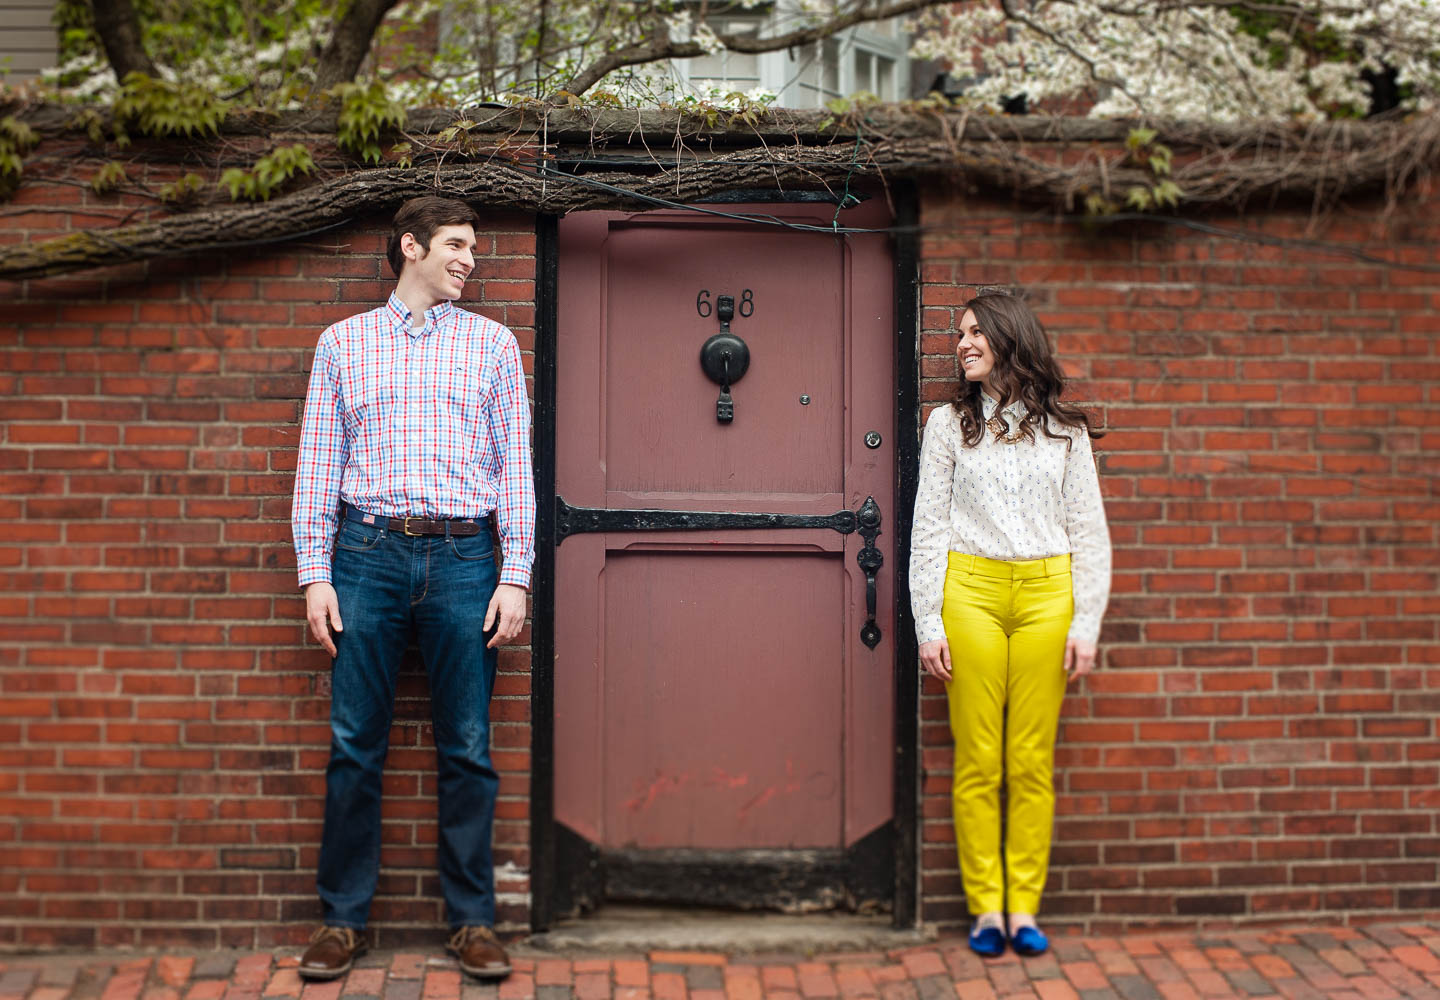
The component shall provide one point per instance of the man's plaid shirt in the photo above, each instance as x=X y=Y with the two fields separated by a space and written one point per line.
x=432 y=422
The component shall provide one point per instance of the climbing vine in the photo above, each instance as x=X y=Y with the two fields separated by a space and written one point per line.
x=16 y=139
x=366 y=113
x=527 y=157
x=108 y=178
x=1144 y=152
x=164 y=108
x=269 y=174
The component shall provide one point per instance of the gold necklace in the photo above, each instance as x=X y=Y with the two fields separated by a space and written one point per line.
x=1001 y=429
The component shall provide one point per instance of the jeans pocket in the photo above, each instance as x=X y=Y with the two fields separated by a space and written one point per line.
x=472 y=547
x=357 y=537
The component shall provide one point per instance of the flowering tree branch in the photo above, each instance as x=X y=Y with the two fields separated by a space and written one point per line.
x=1193 y=59
x=662 y=46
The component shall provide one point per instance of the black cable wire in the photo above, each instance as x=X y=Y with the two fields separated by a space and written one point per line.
x=769 y=220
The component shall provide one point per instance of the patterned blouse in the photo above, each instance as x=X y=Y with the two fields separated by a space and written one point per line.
x=1007 y=500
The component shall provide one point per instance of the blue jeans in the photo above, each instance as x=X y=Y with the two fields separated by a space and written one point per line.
x=391 y=587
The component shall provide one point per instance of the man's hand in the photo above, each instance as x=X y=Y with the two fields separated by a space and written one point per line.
x=322 y=611
x=507 y=608
x=935 y=659
x=1079 y=658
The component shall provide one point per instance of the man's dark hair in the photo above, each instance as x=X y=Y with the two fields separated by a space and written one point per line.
x=420 y=217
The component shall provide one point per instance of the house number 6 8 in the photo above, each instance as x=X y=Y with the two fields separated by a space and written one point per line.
x=746 y=306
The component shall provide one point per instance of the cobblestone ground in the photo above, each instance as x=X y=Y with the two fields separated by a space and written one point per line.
x=1341 y=963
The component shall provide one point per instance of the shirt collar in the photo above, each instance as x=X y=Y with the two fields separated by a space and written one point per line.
x=988 y=406
x=436 y=314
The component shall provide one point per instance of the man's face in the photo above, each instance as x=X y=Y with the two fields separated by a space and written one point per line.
x=442 y=269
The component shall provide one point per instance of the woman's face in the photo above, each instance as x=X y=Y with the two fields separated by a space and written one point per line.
x=977 y=361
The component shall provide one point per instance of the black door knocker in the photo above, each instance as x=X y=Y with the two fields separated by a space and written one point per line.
x=725 y=357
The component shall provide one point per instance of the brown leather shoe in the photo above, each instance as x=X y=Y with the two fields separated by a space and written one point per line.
x=332 y=951
x=479 y=952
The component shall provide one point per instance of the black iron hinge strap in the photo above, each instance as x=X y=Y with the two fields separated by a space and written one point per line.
x=583 y=520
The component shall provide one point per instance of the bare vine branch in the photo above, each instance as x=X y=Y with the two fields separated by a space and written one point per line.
x=1022 y=158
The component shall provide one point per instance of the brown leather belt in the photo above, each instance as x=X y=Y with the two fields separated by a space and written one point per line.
x=414 y=526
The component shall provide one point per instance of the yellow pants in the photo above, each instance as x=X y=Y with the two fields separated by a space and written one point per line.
x=1006 y=624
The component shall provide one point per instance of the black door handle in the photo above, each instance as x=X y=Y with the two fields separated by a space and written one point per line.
x=870 y=559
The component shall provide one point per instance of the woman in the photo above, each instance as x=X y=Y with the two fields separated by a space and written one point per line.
x=1009 y=577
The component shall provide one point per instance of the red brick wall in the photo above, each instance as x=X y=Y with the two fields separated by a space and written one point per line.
x=1260 y=742
x=165 y=725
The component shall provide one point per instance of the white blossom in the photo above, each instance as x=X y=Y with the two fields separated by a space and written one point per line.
x=706 y=38
x=1189 y=61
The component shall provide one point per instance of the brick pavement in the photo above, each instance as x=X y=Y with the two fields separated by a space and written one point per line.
x=1377 y=962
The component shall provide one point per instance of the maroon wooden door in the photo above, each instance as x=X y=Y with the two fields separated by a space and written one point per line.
x=722 y=733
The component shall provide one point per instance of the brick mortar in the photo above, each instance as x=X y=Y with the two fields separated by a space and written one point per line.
x=1260 y=744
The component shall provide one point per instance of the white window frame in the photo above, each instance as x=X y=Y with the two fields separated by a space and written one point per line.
x=790 y=74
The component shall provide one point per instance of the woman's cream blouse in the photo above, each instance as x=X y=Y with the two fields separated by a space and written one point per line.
x=1008 y=500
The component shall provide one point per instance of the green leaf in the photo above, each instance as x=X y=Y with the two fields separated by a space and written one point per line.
x=1140 y=137
x=234 y=179
x=162 y=108
x=109 y=177
x=1160 y=160
x=184 y=190
x=1168 y=193
x=366 y=112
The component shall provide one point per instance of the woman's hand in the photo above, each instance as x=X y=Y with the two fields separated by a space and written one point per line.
x=1079 y=658
x=935 y=659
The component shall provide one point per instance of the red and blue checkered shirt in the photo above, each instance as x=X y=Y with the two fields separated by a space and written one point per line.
x=430 y=423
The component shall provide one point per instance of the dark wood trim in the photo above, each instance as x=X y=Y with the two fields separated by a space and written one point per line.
x=543 y=888
x=907 y=470
x=579 y=874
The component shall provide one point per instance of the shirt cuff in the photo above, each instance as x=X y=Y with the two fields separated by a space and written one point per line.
x=313 y=569
x=1084 y=630
x=929 y=628
x=516 y=577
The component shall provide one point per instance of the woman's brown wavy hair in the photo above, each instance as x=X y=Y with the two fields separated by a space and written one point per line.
x=1025 y=369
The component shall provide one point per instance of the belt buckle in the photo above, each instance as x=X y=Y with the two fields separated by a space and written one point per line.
x=405 y=528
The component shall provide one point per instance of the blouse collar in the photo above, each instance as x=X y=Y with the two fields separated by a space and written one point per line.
x=988 y=406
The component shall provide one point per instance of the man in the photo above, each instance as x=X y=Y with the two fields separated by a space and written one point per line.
x=416 y=433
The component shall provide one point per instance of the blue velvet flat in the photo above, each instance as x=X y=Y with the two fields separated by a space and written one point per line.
x=988 y=942
x=1029 y=941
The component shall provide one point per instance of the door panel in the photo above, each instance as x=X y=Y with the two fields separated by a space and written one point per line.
x=730 y=740
x=712 y=696
x=658 y=412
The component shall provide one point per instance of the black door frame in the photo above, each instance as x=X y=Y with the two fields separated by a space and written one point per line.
x=545 y=833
